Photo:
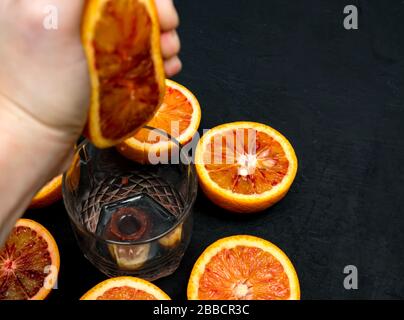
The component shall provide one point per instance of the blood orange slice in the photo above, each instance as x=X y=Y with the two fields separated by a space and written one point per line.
x=29 y=263
x=245 y=166
x=243 y=268
x=179 y=115
x=125 y=288
x=49 y=194
x=121 y=39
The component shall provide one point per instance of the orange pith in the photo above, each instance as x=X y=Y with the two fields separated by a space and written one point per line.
x=29 y=263
x=179 y=116
x=243 y=268
x=49 y=194
x=125 y=288
x=122 y=43
x=126 y=293
x=245 y=166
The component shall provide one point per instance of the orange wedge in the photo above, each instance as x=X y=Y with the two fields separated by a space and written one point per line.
x=125 y=288
x=29 y=262
x=245 y=166
x=243 y=268
x=179 y=116
x=49 y=194
x=121 y=39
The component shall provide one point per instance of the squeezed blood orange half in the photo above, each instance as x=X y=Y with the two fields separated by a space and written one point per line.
x=179 y=116
x=125 y=288
x=245 y=166
x=121 y=39
x=243 y=268
x=49 y=194
x=29 y=263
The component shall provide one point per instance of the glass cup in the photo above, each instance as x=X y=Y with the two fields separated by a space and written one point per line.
x=131 y=218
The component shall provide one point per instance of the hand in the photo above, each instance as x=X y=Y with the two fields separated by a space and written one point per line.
x=43 y=73
x=44 y=94
x=170 y=42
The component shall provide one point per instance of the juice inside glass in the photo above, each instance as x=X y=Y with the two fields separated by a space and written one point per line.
x=130 y=218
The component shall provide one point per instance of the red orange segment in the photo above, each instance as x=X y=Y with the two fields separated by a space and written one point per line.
x=125 y=288
x=29 y=263
x=244 y=273
x=175 y=114
x=246 y=171
x=245 y=166
x=243 y=268
x=126 y=293
x=178 y=116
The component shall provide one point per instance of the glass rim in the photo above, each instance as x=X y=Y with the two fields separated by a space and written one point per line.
x=185 y=212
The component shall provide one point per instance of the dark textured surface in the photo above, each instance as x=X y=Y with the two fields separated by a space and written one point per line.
x=338 y=96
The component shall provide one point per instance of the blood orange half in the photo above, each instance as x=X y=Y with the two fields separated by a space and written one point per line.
x=49 y=194
x=243 y=268
x=245 y=166
x=121 y=39
x=125 y=288
x=179 y=116
x=29 y=263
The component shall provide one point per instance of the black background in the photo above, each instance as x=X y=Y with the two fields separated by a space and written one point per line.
x=338 y=96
